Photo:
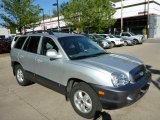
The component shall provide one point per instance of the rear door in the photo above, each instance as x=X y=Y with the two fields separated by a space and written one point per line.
x=29 y=53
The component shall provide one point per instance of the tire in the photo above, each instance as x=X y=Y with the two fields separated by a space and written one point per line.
x=91 y=105
x=20 y=76
x=125 y=43
x=113 y=44
x=136 y=42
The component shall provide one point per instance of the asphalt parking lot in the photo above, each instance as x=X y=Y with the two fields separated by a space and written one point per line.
x=36 y=102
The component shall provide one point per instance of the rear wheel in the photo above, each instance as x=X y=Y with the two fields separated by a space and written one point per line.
x=84 y=100
x=20 y=76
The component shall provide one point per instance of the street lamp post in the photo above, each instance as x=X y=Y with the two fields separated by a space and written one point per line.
x=121 y=16
x=43 y=18
x=57 y=4
x=148 y=21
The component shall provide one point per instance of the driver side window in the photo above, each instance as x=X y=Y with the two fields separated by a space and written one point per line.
x=47 y=44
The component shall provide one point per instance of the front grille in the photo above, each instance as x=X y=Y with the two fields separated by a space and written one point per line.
x=137 y=73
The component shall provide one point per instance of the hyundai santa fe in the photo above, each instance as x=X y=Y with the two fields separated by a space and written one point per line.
x=75 y=66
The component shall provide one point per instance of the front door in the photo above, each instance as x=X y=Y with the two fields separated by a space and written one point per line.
x=49 y=70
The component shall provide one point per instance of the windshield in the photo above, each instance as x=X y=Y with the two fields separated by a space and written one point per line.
x=111 y=36
x=132 y=34
x=79 y=47
x=98 y=36
x=104 y=36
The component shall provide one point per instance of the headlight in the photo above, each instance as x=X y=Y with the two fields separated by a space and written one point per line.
x=119 y=79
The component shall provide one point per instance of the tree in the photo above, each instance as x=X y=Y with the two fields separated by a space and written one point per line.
x=88 y=15
x=115 y=0
x=19 y=13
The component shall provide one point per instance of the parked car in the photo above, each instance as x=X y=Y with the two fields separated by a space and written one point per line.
x=5 y=45
x=100 y=40
x=138 y=39
x=115 y=41
x=127 y=42
x=1 y=48
x=85 y=73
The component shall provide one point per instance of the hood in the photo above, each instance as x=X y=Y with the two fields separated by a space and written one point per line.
x=138 y=36
x=112 y=62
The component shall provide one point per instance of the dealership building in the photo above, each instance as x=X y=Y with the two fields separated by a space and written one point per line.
x=139 y=16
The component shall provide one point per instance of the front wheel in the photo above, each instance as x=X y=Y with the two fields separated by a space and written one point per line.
x=113 y=44
x=136 y=42
x=125 y=43
x=84 y=100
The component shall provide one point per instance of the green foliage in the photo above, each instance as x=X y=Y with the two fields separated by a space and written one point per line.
x=88 y=15
x=19 y=13
x=115 y=0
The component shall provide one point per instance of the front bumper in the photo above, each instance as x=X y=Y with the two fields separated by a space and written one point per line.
x=123 y=96
x=117 y=43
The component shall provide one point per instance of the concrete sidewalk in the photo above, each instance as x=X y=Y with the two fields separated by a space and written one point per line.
x=153 y=40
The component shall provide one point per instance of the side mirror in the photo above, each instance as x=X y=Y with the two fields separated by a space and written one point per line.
x=52 y=53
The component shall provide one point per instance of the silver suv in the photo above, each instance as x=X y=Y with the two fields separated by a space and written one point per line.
x=77 y=67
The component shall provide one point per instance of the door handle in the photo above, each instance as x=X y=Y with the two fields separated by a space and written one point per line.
x=21 y=56
x=39 y=60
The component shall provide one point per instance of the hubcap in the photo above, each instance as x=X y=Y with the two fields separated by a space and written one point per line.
x=83 y=101
x=20 y=76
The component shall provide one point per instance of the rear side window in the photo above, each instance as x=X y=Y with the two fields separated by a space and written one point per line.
x=20 y=42
x=32 y=44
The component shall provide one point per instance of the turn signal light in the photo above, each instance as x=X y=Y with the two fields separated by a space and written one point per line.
x=101 y=93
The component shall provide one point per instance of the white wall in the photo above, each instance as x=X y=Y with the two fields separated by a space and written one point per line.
x=4 y=31
x=135 y=10
x=49 y=23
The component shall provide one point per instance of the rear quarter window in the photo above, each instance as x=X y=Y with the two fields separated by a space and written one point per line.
x=20 y=42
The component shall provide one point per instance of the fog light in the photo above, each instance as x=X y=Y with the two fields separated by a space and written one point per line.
x=129 y=98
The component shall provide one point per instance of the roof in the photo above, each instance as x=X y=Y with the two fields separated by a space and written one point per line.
x=55 y=34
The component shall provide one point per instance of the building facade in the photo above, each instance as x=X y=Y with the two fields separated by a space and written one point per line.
x=139 y=17
x=4 y=33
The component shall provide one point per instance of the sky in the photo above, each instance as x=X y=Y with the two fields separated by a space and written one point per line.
x=47 y=5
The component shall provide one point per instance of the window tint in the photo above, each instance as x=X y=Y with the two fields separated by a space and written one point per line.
x=47 y=44
x=79 y=47
x=15 y=39
x=32 y=44
x=20 y=42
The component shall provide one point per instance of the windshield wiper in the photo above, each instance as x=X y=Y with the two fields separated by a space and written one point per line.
x=87 y=56
x=80 y=57
x=98 y=54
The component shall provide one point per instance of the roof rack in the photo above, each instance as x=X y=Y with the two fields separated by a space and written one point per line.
x=42 y=31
